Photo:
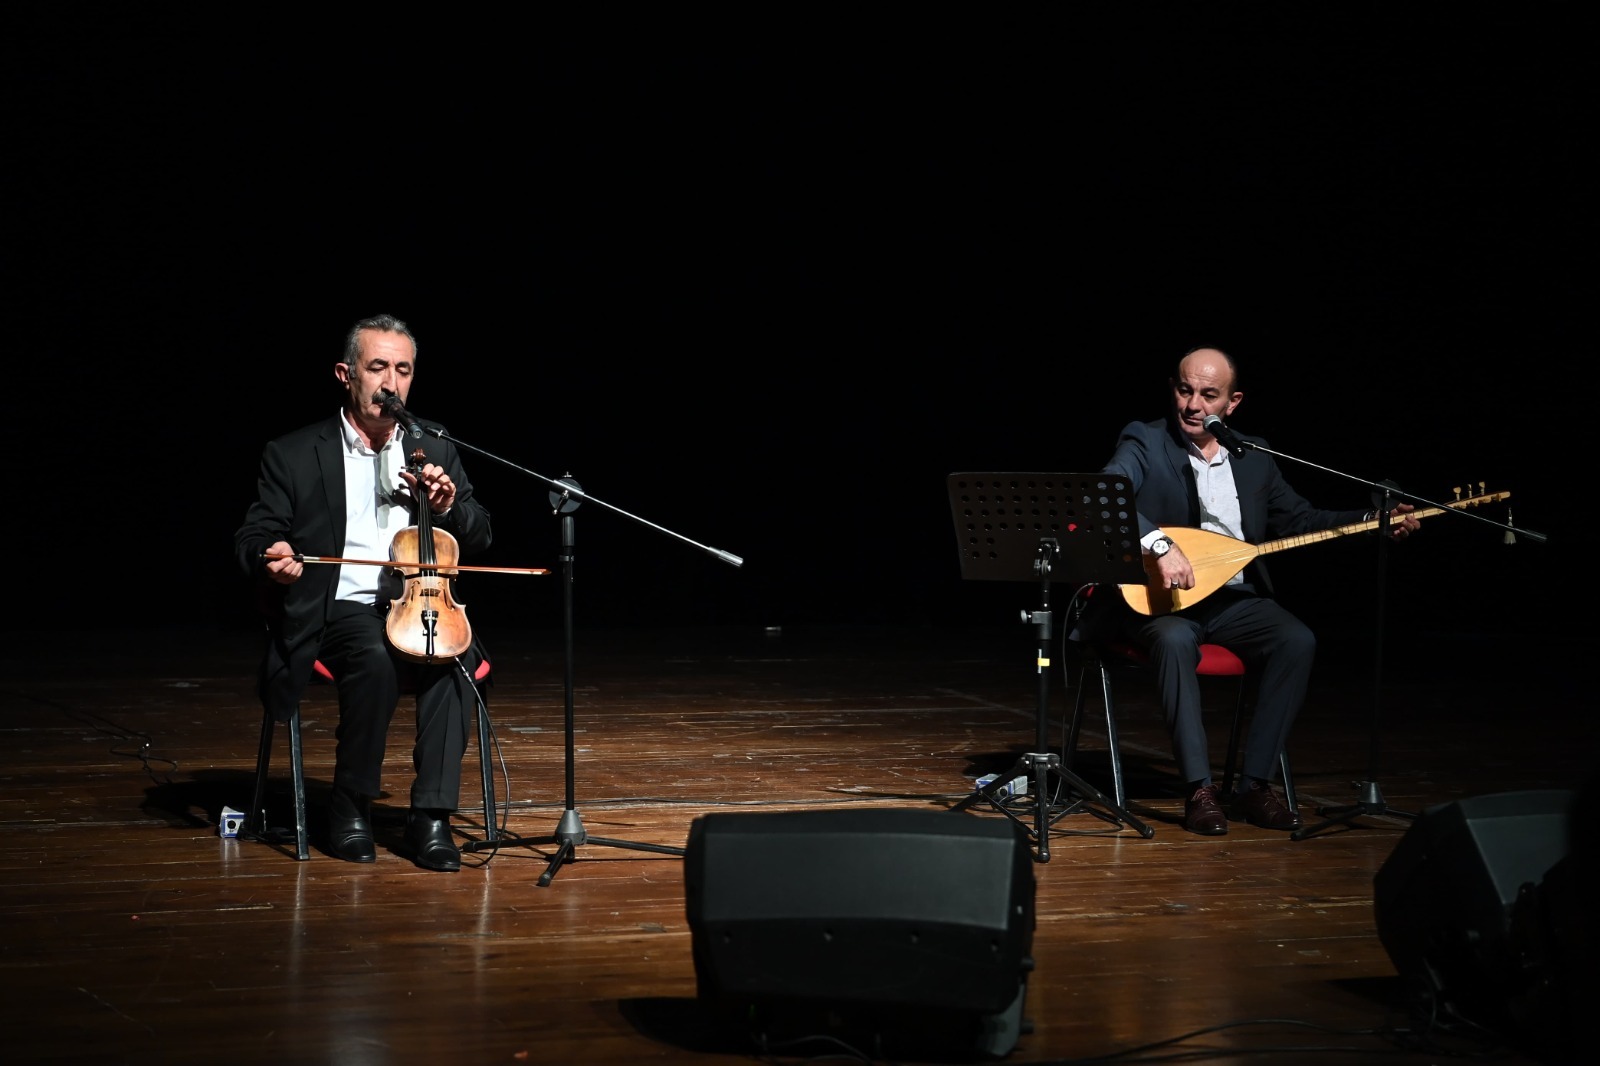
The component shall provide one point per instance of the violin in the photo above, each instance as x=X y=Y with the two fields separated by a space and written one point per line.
x=425 y=624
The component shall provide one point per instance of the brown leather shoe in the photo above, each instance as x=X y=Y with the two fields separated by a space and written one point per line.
x=1263 y=806
x=1203 y=814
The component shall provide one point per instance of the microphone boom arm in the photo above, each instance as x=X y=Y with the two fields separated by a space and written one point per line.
x=564 y=489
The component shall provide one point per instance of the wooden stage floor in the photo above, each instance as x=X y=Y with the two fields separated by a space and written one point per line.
x=132 y=932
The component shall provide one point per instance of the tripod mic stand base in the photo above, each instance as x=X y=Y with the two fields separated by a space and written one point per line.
x=1371 y=803
x=568 y=835
x=570 y=830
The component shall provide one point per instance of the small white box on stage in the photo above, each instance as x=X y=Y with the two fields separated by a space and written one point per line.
x=230 y=823
x=1017 y=786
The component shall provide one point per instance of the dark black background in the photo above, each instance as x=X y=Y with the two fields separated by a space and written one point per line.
x=766 y=283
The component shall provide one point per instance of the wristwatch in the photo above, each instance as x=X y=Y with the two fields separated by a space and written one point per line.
x=1160 y=546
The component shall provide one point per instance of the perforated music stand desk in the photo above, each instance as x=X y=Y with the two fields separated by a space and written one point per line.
x=1073 y=528
x=1001 y=519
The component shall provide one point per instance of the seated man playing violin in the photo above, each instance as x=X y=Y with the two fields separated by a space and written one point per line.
x=1182 y=476
x=352 y=487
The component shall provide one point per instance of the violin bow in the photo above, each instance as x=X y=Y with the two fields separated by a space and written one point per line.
x=398 y=565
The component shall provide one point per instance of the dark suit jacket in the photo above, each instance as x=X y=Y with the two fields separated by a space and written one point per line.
x=1154 y=457
x=301 y=500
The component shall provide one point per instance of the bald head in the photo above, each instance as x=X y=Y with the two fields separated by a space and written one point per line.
x=1206 y=384
x=1196 y=357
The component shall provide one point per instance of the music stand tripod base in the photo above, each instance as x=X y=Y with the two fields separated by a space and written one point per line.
x=1038 y=766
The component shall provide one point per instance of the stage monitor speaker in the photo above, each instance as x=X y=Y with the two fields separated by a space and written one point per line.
x=1446 y=898
x=906 y=930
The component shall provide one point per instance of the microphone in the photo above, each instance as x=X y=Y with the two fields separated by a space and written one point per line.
x=390 y=402
x=1228 y=438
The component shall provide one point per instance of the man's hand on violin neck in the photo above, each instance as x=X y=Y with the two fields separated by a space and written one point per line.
x=435 y=486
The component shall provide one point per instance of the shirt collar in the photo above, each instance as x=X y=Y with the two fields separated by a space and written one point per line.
x=353 y=444
x=1196 y=454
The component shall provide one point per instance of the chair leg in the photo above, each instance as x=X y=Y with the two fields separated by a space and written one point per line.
x=1232 y=760
x=1119 y=791
x=1288 y=780
x=1070 y=748
x=255 y=823
x=297 y=768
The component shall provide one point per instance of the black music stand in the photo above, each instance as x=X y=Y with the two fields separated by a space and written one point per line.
x=1081 y=528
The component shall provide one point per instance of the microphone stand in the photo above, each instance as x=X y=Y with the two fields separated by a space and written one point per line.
x=566 y=496
x=1384 y=495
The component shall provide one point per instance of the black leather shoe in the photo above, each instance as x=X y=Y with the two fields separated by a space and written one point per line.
x=350 y=827
x=1261 y=806
x=1203 y=814
x=428 y=833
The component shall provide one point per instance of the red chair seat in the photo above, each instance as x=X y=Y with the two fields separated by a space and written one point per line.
x=1215 y=660
x=324 y=674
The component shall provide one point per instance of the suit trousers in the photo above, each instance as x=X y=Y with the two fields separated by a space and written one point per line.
x=369 y=675
x=1277 y=647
